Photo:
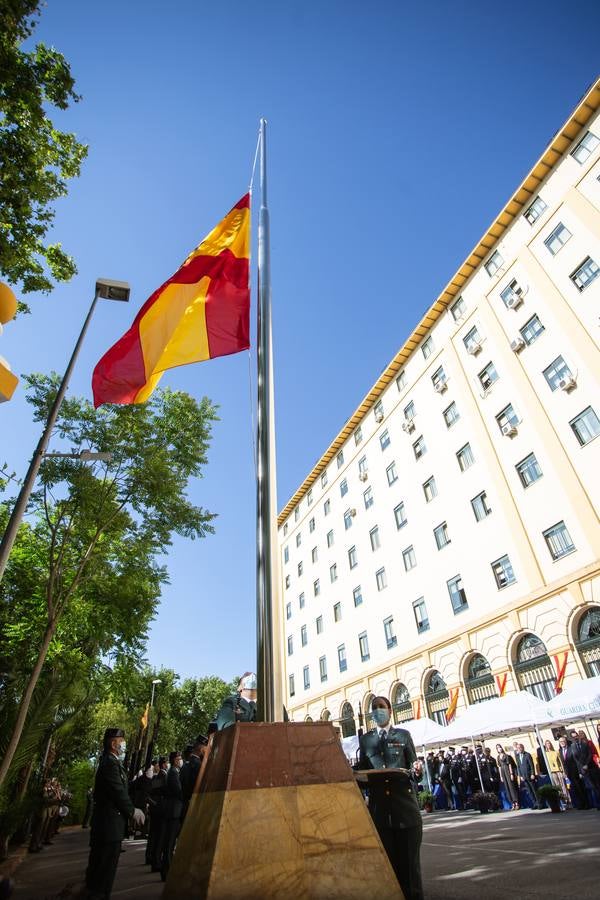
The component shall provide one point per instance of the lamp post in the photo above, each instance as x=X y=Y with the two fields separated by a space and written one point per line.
x=155 y=681
x=108 y=290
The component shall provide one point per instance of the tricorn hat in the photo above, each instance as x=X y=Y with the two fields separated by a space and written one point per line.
x=111 y=733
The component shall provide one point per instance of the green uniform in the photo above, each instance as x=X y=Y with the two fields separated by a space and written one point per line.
x=112 y=809
x=393 y=805
x=236 y=709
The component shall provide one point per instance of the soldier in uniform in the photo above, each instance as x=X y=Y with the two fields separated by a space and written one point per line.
x=239 y=707
x=112 y=809
x=392 y=802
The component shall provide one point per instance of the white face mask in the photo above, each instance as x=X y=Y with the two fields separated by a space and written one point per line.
x=121 y=751
x=179 y=763
x=149 y=773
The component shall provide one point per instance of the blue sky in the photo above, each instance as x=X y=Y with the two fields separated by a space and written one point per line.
x=396 y=133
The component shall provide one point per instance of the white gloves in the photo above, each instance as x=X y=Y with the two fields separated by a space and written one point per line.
x=138 y=817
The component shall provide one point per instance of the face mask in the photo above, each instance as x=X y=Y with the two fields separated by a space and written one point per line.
x=179 y=763
x=121 y=752
x=381 y=716
x=149 y=773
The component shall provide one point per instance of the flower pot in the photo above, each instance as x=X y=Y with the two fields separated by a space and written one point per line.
x=554 y=804
x=428 y=807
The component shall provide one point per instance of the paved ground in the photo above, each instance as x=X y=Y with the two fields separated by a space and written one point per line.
x=465 y=856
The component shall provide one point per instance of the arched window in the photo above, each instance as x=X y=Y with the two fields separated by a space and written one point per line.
x=436 y=697
x=535 y=672
x=368 y=712
x=588 y=640
x=347 y=723
x=325 y=715
x=308 y=719
x=401 y=705
x=480 y=682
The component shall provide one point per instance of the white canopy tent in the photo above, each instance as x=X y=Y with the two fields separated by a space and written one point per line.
x=502 y=715
x=424 y=732
x=580 y=701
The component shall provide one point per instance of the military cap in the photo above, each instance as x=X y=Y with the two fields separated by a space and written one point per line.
x=111 y=733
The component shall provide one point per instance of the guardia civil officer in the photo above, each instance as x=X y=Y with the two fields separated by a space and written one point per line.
x=112 y=809
x=392 y=802
x=241 y=706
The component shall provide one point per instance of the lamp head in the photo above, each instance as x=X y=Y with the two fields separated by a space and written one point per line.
x=109 y=289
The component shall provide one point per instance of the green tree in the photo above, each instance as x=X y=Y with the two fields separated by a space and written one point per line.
x=36 y=159
x=84 y=576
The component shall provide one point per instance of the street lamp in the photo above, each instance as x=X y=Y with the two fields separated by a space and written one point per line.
x=154 y=683
x=109 y=290
x=83 y=455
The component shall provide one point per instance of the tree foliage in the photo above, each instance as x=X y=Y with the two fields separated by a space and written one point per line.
x=36 y=159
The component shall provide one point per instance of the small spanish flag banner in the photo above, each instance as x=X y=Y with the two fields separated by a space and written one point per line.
x=560 y=661
x=451 y=711
x=417 y=708
x=144 y=719
x=501 y=683
x=200 y=312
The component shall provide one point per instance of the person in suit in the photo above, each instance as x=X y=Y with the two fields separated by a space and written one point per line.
x=112 y=809
x=189 y=772
x=589 y=775
x=241 y=706
x=155 y=808
x=526 y=773
x=571 y=770
x=507 y=769
x=392 y=802
x=172 y=809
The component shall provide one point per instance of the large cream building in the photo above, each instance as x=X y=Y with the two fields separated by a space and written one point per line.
x=446 y=547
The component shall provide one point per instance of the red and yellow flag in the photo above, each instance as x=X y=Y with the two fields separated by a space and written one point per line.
x=560 y=661
x=202 y=311
x=144 y=719
x=451 y=711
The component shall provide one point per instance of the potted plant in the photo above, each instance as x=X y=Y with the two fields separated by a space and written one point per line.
x=425 y=799
x=484 y=801
x=551 y=795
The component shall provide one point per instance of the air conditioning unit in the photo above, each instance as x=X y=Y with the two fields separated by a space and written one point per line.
x=474 y=348
x=567 y=384
x=509 y=430
x=352 y=512
x=408 y=426
x=363 y=476
x=517 y=345
x=514 y=302
x=440 y=386
x=379 y=417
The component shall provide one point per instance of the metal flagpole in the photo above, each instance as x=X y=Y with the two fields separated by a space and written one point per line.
x=268 y=613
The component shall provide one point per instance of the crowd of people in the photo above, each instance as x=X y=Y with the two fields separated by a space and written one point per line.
x=52 y=810
x=458 y=776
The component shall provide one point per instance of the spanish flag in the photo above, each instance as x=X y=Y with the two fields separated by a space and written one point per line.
x=144 y=719
x=202 y=311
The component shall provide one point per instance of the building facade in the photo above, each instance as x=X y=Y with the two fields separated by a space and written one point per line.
x=446 y=547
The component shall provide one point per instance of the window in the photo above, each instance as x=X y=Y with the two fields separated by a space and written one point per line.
x=529 y=470
x=368 y=498
x=303 y=636
x=292 y=684
x=507 y=416
x=357 y=595
x=401 y=380
x=559 y=540
x=352 y=557
x=388 y=629
x=315 y=554
x=357 y=436
x=362 y=466
x=384 y=439
x=440 y=534
x=285 y=529
x=348 y=519
x=419 y=447
x=288 y=610
x=298 y=539
x=488 y=376
x=586 y=426
x=343 y=487
x=296 y=514
x=323 y=668
x=535 y=672
x=409 y=558
x=327 y=507
x=374 y=538
x=465 y=458
x=503 y=572
x=286 y=554
x=400 y=515
x=472 y=340
x=494 y=263
x=333 y=572
x=340 y=459
x=342 y=661
x=290 y=644
x=319 y=624
x=301 y=600
x=378 y=411
x=391 y=473
x=585 y=273
x=427 y=347
x=480 y=506
x=311 y=525
x=410 y=411
x=531 y=330
x=585 y=147
x=288 y=581
x=300 y=568
x=438 y=379
x=557 y=238
x=381 y=579
x=430 y=489
x=535 y=210
x=451 y=415
x=363 y=644
x=458 y=309
x=330 y=538
x=458 y=598
x=316 y=587
x=421 y=617
x=556 y=372
x=306 y=674
x=512 y=295
x=309 y=497
x=324 y=478
x=337 y=612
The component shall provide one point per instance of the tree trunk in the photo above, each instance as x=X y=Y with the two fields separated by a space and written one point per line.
x=26 y=700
